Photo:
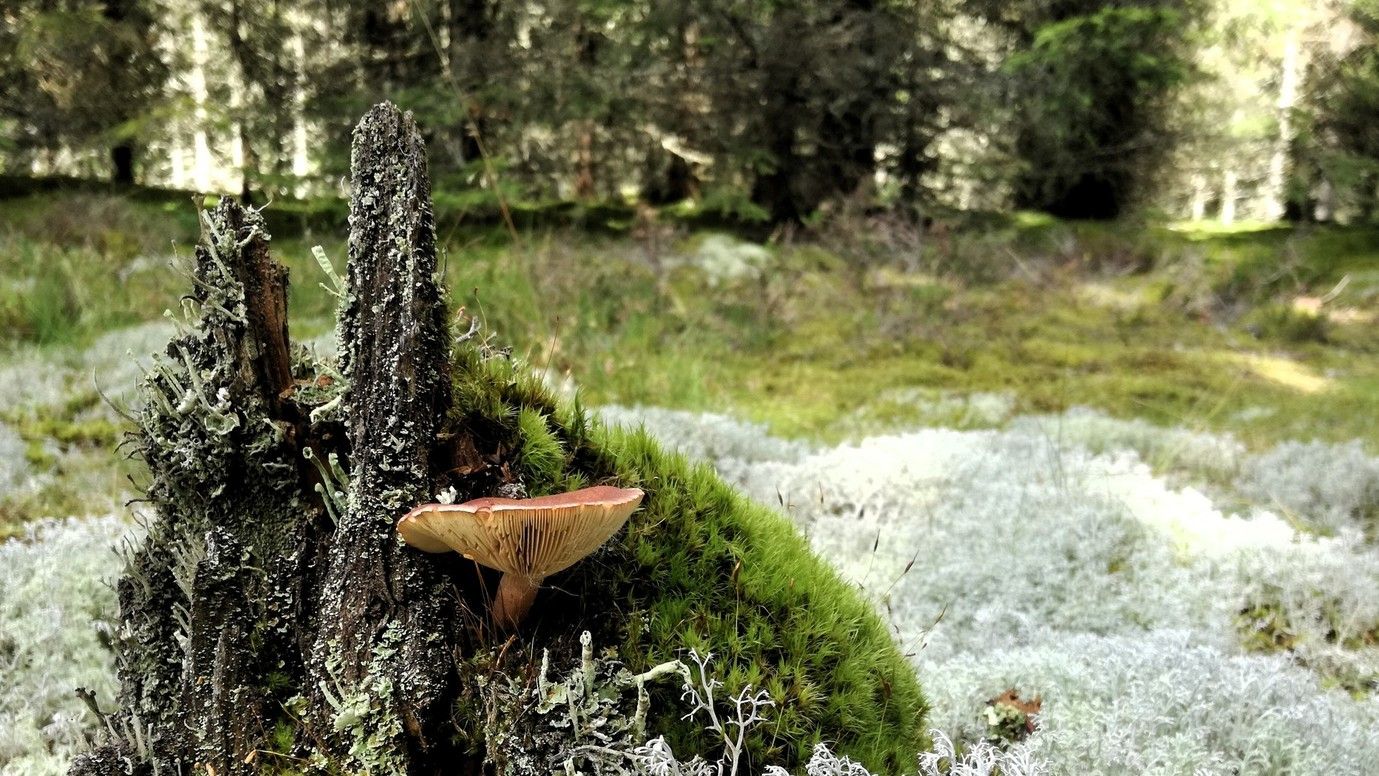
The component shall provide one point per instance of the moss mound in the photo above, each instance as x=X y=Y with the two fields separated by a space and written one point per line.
x=699 y=566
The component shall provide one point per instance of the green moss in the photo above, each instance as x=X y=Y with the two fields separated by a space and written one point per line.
x=1283 y=322
x=1264 y=627
x=97 y=432
x=543 y=455
x=699 y=566
x=81 y=472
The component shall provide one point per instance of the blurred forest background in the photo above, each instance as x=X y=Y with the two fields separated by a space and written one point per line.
x=772 y=112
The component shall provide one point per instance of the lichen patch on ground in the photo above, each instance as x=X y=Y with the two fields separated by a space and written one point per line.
x=1214 y=612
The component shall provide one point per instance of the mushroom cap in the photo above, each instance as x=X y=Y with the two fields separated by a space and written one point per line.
x=530 y=537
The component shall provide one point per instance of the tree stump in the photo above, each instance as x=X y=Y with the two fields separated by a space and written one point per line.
x=387 y=621
x=243 y=591
x=272 y=621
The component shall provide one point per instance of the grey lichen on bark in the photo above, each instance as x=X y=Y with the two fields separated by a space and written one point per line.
x=385 y=648
x=211 y=602
x=245 y=609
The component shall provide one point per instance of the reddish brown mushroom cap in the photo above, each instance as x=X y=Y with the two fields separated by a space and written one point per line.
x=530 y=538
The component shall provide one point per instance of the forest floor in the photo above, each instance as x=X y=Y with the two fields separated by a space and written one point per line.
x=1125 y=472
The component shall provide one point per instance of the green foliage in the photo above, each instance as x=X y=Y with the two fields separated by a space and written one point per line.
x=1342 y=144
x=73 y=267
x=1287 y=323
x=701 y=567
x=57 y=304
x=807 y=96
x=543 y=455
x=773 y=111
x=1092 y=84
x=261 y=39
x=734 y=203
x=84 y=75
x=779 y=106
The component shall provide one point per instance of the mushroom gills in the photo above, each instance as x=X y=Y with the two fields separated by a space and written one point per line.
x=526 y=539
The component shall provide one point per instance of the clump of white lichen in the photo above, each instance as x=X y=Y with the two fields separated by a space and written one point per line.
x=1332 y=487
x=361 y=715
x=55 y=605
x=1167 y=628
x=584 y=722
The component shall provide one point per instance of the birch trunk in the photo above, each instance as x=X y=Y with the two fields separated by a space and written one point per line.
x=1277 y=180
x=1229 y=195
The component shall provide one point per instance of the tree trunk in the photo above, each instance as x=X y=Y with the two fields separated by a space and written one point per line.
x=669 y=178
x=122 y=164
x=1324 y=207
x=248 y=166
x=301 y=155
x=584 y=163
x=471 y=27
x=915 y=160
x=202 y=163
x=848 y=131
x=122 y=153
x=1367 y=203
x=1276 y=182
x=1197 y=205
x=1229 y=195
x=587 y=44
x=774 y=189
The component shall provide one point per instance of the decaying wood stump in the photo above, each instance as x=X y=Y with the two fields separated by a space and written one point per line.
x=244 y=592
x=385 y=610
x=272 y=621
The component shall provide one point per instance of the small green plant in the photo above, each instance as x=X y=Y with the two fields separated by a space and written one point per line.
x=1264 y=627
x=1277 y=321
x=1010 y=718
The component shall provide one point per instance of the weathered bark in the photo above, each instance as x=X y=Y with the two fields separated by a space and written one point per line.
x=387 y=621
x=211 y=603
x=265 y=300
x=244 y=602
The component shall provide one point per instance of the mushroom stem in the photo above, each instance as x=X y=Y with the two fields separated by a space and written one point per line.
x=514 y=598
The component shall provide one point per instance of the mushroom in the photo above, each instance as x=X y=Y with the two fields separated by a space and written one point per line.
x=527 y=539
